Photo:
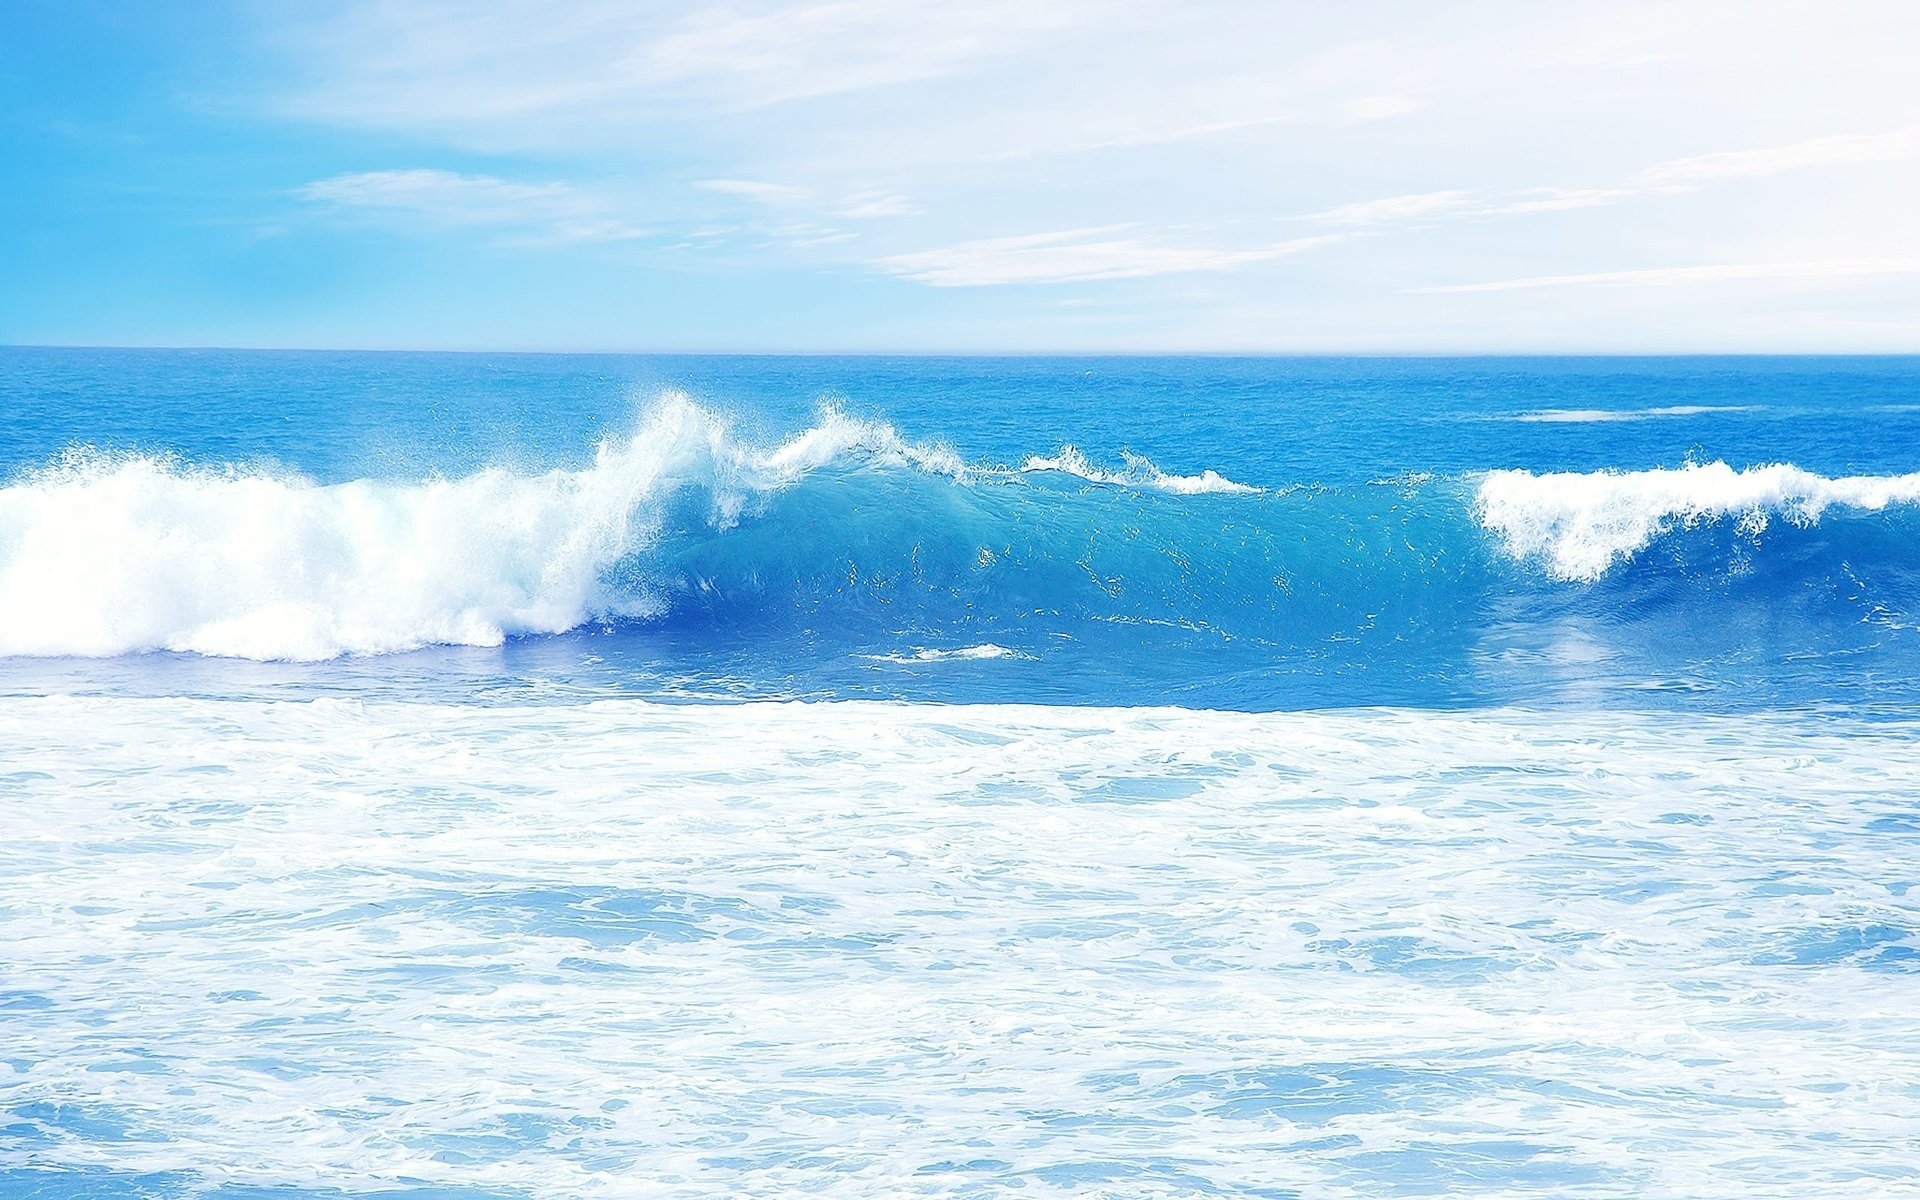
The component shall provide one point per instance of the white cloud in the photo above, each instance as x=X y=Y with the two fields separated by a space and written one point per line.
x=912 y=136
x=751 y=189
x=770 y=53
x=1380 y=108
x=806 y=233
x=553 y=212
x=1838 y=150
x=1709 y=273
x=1394 y=208
x=1668 y=178
x=1074 y=256
x=452 y=64
x=869 y=205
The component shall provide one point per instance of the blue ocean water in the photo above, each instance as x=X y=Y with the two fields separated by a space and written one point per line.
x=1251 y=534
x=493 y=777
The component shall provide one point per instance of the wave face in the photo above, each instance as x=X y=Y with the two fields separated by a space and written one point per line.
x=783 y=561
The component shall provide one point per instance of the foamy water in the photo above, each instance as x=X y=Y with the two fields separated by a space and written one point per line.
x=877 y=950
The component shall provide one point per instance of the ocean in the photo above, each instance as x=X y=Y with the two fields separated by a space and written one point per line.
x=542 y=776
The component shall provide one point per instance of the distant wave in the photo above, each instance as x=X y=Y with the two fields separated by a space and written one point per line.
x=1581 y=524
x=1583 y=416
x=985 y=651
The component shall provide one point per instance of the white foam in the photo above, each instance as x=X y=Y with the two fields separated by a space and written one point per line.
x=986 y=650
x=626 y=950
x=1138 y=472
x=104 y=555
x=1583 y=416
x=1581 y=524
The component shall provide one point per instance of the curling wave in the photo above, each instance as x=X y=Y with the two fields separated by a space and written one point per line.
x=104 y=554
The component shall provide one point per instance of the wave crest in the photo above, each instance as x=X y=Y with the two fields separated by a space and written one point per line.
x=1581 y=523
x=114 y=554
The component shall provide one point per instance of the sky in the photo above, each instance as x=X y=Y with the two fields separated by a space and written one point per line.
x=995 y=176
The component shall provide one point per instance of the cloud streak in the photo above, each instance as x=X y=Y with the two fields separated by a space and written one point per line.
x=1076 y=256
x=753 y=189
x=448 y=63
x=1860 y=268
x=861 y=144
x=1669 y=178
x=546 y=212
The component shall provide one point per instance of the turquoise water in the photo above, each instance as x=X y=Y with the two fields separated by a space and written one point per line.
x=1225 y=533
x=1215 y=777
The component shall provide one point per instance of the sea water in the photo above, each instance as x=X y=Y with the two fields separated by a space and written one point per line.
x=542 y=776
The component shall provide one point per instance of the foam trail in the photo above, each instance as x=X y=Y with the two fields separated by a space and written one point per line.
x=1139 y=472
x=1590 y=416
x=1581 y=524
x=982 y=652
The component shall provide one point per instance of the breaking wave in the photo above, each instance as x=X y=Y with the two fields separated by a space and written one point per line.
x=847 y=530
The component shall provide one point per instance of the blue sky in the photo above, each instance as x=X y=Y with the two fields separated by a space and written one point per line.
x=999 y=175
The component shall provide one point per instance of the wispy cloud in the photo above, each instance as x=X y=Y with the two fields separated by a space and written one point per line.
x=797 y=51
x=754 y=189
x=1839 y=150
x=1395 y=208
x=1075 y=256
x=1668 y=178
x=872 y=204
x=547 y=212
x=1152 y=140
x=1707 y=273
x=448 y=63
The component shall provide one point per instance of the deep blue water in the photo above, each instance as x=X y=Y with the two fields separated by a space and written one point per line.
x=282 y=523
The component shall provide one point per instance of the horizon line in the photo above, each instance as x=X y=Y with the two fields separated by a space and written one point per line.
x=978 y=354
